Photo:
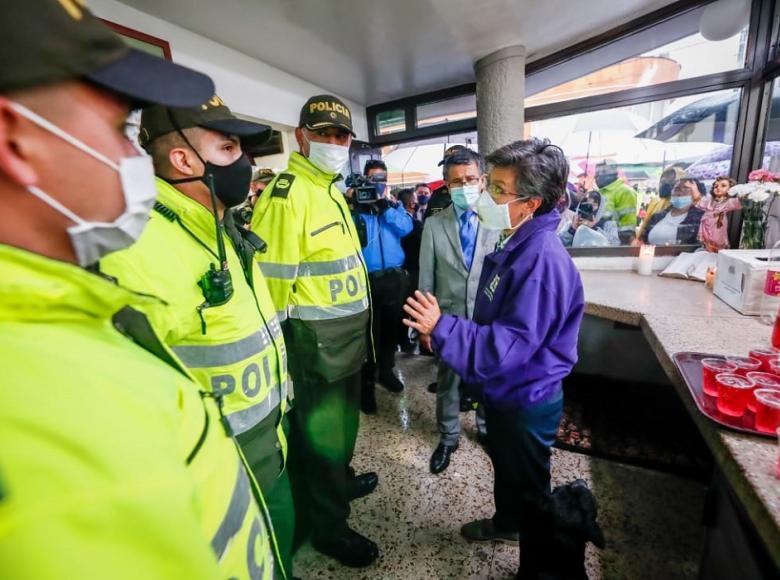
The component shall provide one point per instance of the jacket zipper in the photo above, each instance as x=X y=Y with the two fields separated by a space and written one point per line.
x=324 y=228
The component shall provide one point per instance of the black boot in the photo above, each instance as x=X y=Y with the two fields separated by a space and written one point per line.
x=368 y=398
x=349 y=548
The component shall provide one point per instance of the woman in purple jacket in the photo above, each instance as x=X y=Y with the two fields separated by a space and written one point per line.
x=522 y=340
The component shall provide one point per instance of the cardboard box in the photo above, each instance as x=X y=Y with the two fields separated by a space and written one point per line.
x=740 y=279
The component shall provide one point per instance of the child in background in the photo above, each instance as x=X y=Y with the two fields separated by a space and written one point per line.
x=714 y=228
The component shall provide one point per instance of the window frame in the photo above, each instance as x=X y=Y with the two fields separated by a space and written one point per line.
x=762 y=67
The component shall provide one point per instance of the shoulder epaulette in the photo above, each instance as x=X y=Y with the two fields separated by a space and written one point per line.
x=281 y=187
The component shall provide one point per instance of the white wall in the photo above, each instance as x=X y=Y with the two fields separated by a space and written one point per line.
x=247 y=85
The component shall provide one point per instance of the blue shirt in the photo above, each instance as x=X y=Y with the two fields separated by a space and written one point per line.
x=384 y=233
x=522 y=340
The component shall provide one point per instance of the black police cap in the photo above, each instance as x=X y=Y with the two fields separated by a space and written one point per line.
x=49 y=41
x=213 y=114
x=323 y=111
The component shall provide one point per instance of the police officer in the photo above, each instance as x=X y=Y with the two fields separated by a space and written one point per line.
x=383 y=223
x=222 y=323
x=114 y=465
x=620 y=200
x=318 y=282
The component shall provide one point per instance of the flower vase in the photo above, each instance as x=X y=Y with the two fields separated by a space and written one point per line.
x=752 y=234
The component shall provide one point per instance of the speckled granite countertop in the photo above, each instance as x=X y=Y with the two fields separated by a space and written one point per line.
x=681 y=315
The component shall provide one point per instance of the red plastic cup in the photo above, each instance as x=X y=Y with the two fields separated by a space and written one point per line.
x=765 y=354
x=733 y=393
x=777 y=469
x=767 y=410
x=774 y=366
x=762 y=381
x=710 y=368
x=745 y=364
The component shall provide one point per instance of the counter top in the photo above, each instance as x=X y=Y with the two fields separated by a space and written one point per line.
x=682 y=315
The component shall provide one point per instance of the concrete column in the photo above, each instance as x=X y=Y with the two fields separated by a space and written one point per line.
x=500 y=94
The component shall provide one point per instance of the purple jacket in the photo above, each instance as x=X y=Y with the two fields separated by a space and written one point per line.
x=522 y=340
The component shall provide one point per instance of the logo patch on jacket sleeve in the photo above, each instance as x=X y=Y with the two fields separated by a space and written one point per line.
x=282 y=185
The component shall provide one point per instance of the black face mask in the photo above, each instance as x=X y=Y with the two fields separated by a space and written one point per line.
x=604 y=179
x=231 y=182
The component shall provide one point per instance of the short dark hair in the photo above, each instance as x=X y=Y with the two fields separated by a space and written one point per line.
x=374 y=164
x=463 y=156
x=541 y=167
x=421 y=184
x=405 y=195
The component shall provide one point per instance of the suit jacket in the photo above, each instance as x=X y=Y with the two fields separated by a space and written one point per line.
x=443 y=270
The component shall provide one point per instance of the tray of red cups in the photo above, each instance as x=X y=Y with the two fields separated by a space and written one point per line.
x=739 y=392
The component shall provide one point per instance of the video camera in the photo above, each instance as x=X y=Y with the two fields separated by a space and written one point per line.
x=586 y=211
x=367 y=190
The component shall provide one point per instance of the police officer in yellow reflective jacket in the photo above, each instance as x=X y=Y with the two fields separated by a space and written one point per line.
x=317 y=279
x=113 y=464
x=221 y=321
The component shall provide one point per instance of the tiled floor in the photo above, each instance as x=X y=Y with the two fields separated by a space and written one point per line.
x=649 y=519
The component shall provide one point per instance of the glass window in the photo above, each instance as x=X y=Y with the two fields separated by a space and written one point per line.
x=633 y=156
x=630 y=65
x=418 y=161
x=389 y=122
x=771 y=157
x=446 y=111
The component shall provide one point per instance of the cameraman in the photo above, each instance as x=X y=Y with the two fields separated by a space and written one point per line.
x=590 y=214
x=382 y=224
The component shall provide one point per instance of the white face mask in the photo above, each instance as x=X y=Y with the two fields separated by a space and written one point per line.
x=327 y=157
x=466 y=196
x=495 y=216
x=93 y=240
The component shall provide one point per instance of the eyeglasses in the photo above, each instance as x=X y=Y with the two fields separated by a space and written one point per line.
x=496 y=191
x=469 y=180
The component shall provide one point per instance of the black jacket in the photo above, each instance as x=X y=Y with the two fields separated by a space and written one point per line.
x=688 y=229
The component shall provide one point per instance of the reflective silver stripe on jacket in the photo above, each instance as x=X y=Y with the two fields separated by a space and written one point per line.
x=290 y=391
x=280 y=271
x=329 y=267
x=217 y=355
x=236 y=512
x=327 y=312
x=291 y=272
x=244 y=419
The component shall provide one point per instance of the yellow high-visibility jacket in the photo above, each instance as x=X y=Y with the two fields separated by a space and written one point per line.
x=113 y=463
x=235 y=349
x=314 y=269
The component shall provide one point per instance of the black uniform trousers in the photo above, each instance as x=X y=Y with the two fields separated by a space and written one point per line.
x=389 y=289
x=519 y=444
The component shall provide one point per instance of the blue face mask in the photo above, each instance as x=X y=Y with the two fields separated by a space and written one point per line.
x=681 y=201
x=465 y=197
x=380 y=187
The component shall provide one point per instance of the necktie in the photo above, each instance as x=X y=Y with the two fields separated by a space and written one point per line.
x=467 y=237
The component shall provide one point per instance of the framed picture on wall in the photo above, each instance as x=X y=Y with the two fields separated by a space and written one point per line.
x=142 y=41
